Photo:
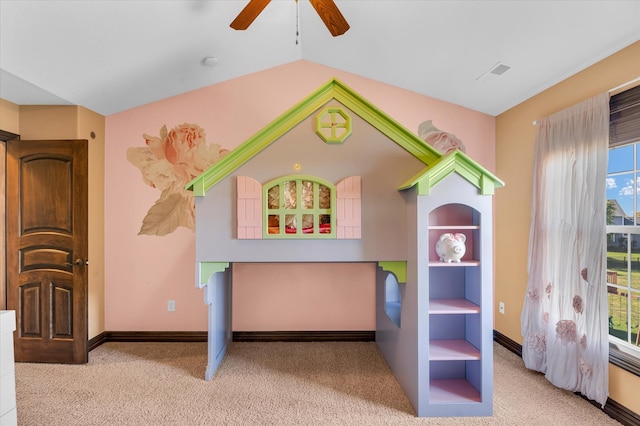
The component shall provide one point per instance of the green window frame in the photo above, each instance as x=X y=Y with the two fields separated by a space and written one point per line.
x=293 y=200
x=333 y=125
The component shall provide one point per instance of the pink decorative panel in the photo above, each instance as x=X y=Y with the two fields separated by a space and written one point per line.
x=249 y=194
x=348 y=220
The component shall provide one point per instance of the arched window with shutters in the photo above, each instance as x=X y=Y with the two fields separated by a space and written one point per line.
x=299 y=207
x=276 y=209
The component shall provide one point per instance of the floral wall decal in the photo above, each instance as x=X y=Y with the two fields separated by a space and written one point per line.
x=442 y=141
x=168 y=162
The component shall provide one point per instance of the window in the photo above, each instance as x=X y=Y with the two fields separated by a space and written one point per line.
x=333 y=125
x=299 y=207
x=623 y=246
x=275 y=209
x=623 y=228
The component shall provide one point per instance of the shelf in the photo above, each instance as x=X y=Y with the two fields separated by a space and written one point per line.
x=452 y=350
x=452 y=391
x=444 y=227
x=458 y=371
x=439 y=264
x=453 y=306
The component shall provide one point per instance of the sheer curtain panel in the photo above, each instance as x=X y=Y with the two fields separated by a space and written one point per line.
x=564 y=318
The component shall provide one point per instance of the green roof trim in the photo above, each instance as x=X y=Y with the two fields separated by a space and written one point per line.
x=458 y=162
x=333 y=89
x=397 y=268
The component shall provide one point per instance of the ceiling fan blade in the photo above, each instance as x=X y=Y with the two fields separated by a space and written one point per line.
x=331 y=16
x=249 y=14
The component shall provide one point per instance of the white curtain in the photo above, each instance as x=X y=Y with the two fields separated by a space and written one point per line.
x=564 y=319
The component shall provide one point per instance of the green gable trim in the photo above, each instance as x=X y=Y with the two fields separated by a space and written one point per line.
x=457 y=162
x=385 y=124
x=333 y=89
x=208 y=269
x=397 y=268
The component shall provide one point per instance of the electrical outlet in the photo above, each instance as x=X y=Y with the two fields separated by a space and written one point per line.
x=501 y=308
x=171 y=305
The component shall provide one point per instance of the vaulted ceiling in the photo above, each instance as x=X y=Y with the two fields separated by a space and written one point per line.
x=112 y=55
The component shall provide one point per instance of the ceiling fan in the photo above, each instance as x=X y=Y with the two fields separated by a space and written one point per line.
x=327 y=10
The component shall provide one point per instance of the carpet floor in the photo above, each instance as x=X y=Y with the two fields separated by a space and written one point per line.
x=275 y=383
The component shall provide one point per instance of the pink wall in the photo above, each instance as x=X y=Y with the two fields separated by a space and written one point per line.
x=332 y=300
x=143 y=272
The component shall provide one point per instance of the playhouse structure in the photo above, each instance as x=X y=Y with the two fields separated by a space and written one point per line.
x=334 y=179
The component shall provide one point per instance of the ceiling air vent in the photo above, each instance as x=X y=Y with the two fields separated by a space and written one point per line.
x=496 y=71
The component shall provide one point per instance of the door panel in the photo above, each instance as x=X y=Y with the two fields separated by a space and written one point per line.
x=47 y=249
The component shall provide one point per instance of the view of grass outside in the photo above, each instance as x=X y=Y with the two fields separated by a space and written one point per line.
x=623 y=248
x=624 y=298
x=623 y=221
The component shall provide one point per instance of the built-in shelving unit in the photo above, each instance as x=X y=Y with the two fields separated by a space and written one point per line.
x=455 y=333
x=435 y=323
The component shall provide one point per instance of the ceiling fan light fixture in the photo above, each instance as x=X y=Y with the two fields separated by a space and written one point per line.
x=209 y=61
x=326 y=9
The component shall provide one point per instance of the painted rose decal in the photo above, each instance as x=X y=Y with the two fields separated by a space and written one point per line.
x=444 y=142
x=168 y=162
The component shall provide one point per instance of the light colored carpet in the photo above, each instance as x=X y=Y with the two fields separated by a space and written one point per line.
x=320 y=383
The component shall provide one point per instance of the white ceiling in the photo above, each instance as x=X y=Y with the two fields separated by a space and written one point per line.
x=112 y=55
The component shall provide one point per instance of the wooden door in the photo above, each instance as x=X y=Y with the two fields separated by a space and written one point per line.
x=46 y=234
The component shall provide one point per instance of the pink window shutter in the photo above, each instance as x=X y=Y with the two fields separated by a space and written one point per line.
x=348 y=204
x=249 y=208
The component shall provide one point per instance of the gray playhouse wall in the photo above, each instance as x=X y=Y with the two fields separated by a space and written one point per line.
x=382 y=164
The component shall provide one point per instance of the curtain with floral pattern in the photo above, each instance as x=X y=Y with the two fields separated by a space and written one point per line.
x=564 y=318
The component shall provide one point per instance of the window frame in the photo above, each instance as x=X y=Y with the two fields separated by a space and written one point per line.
x=624 y=354
x=299 y=211
x=622 y=346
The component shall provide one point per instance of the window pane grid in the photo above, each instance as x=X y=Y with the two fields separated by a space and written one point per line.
x=623 y=286
x=299 y=208
x=623 y=244
x=623 y=230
